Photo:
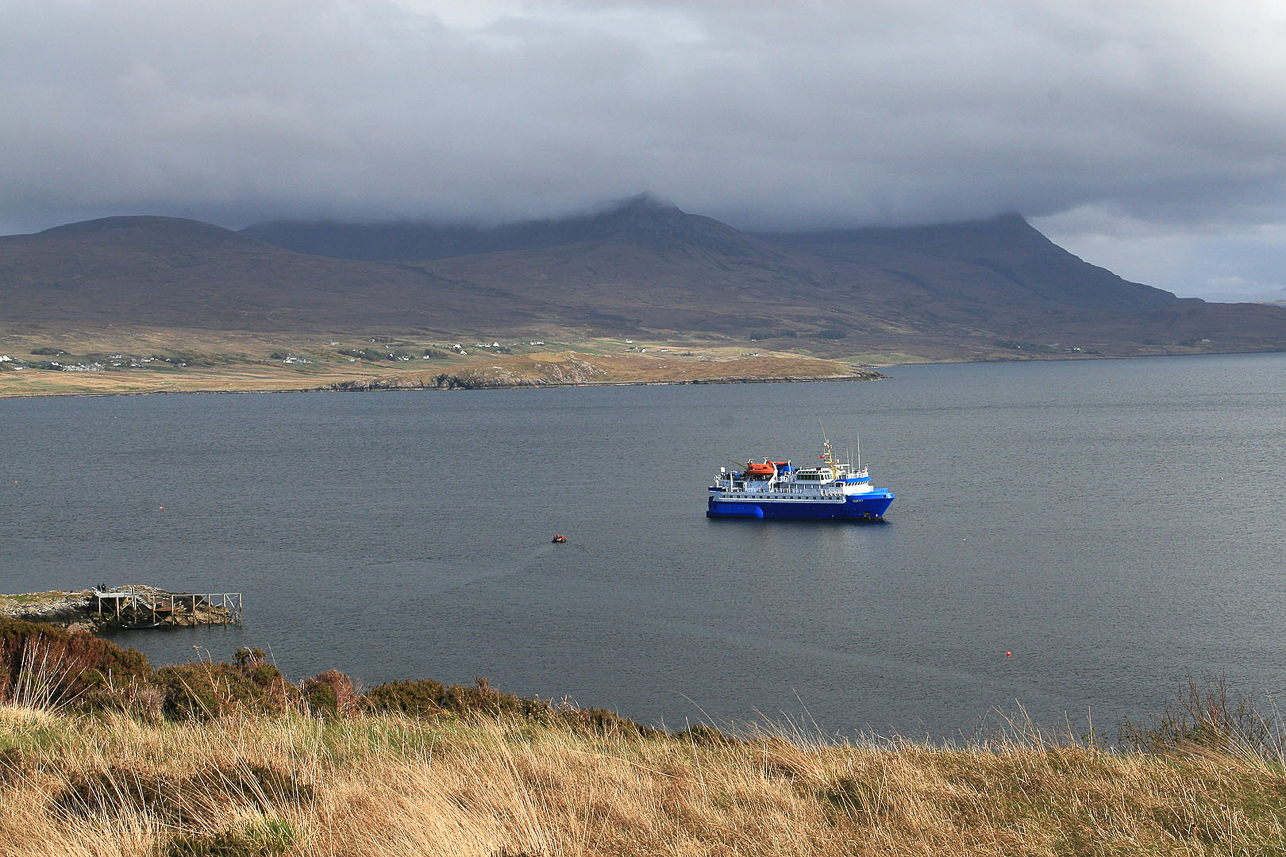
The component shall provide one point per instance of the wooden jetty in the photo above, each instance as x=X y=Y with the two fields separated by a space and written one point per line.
x=149 y=607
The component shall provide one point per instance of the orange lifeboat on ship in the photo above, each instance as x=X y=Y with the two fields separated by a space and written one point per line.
x=760 y=471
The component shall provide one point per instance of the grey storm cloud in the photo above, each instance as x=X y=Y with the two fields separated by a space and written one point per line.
x=1141 y=130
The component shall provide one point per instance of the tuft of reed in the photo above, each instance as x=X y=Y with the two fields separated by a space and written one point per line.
x=1204 y=717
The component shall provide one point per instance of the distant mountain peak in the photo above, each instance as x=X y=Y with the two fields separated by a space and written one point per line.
x=642 y=202
x=641 y=213
x=637 y=209
x=643 y=219
x=1010 y=223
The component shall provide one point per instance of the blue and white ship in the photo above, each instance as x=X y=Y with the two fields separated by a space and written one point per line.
x=777 y=489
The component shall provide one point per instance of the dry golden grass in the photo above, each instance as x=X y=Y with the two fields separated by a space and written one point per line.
x=389 y=786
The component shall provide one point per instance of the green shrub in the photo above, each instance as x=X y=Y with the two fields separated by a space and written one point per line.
x=604 y=722
x=709 y=736
x=222 y=843
x=265 y=675
x=330 y=694
x=248 y=657
x=321 y=698
x=427 y=698
x=202 y=690
x=50 y=666
x=414 y=698
x=483 y=699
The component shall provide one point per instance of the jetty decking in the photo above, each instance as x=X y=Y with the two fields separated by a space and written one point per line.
x=149 y=607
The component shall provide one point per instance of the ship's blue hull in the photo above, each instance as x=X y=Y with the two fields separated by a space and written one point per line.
x=870 y=506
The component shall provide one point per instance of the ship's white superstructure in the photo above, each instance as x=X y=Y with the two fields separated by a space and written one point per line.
x=777 y=489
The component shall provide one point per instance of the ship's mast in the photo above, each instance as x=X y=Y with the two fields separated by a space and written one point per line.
x=828 y=455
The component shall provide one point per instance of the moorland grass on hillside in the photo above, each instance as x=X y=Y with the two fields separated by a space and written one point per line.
x=230 y=759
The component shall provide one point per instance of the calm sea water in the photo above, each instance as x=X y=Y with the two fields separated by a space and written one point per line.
x=1116 y=525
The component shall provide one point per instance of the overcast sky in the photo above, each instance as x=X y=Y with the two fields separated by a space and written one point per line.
x=1145 y=136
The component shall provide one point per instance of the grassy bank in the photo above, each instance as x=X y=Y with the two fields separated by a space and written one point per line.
x=192 y=762
x=394 y=785
x=202 y=361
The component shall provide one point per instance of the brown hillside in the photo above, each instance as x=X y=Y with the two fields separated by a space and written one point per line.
x=167 y=272
x=645 y=270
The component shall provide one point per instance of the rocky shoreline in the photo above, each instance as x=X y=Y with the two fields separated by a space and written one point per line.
x=78 y=610
x=455 y=382
x=511 y=373
x=70 y=609
x=578 y=370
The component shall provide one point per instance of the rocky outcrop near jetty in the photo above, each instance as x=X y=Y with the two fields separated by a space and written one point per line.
x=71 y=609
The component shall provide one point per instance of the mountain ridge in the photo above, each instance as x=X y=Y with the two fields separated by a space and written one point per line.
x=410 y=241
x=973 y=290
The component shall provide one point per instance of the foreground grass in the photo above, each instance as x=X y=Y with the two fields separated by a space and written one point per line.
x=112 y=783
x=100 y=754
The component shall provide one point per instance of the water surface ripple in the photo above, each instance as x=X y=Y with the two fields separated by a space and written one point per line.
x=1116 y=525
